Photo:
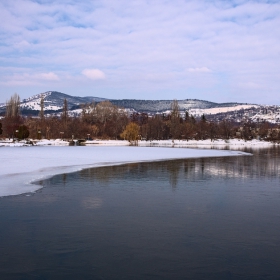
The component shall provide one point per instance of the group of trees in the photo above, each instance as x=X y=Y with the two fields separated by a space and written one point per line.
x=102 y=120
x=176 y=126
x=13 y=123
x=105 y=120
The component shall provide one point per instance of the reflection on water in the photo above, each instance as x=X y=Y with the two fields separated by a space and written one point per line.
x=204 y=218
x=264 y=164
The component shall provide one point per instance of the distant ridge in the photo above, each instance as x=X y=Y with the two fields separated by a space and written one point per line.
x=154 y=106
x=53 y=102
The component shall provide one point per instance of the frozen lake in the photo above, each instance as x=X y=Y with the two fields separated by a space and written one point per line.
x=19 y=166
x=206 y=218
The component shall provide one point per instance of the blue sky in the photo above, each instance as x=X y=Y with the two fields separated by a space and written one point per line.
x=218 y=50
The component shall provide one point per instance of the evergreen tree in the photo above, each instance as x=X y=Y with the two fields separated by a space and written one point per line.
x=187 y=116
x=203 y=118
x=193 y=121
x=23 y=132
x=1 y=128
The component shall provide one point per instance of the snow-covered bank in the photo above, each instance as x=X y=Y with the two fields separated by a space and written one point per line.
x=108 y=142
x=31 y=142
x=22 y=165
x=219 y=143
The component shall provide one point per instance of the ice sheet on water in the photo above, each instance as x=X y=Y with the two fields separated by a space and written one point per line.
x=22 y=165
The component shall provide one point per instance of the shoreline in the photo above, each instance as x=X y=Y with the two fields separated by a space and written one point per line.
x=218 y=143
x=23 y=167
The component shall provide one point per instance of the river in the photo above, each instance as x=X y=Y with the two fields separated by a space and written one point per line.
x=210 y=218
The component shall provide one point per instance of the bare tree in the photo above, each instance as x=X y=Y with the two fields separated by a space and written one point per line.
x=175 y=128
x=225 y=128
x=175 y=110
x=64 y=115
x=12 y=106
x=12 y=119
x=41 y=115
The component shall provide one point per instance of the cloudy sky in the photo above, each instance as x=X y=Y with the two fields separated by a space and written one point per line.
x=216 y=50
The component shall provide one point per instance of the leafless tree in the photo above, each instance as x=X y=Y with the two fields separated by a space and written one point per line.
x=175 y=127
x=41 y=115
x=12 y=118
x=12 y=106
x=64 y=115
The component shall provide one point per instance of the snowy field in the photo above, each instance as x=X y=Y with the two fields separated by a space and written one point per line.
x=22 y=165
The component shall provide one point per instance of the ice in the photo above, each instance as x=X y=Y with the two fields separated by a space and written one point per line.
x=22 y=165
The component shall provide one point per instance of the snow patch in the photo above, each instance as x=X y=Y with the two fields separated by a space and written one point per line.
x=212 y=111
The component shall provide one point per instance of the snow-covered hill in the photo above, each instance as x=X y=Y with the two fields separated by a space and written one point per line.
x=53 y=103
x=154 y=106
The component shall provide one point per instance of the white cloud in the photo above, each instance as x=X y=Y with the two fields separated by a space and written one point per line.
x=22 y=45
x=94 y=74
x=29 y=79
x=147 y=48
x=201 y=70
x=249 y=85
x=48 y=76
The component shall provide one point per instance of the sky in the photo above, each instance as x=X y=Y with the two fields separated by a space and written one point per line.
x=215 y=50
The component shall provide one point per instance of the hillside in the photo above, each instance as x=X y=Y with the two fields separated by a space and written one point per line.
x=53 y=103
x=154 y=106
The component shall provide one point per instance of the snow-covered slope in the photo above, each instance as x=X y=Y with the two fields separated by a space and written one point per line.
x=154 y=106
x=53 y=101
x=218 y=110
x=267 y=113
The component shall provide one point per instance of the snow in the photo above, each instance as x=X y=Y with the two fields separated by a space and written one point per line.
x=218 y=143
x=269 y=117
x=217 y=110
x=107 y=142
x=20 y=166
x=10 y=143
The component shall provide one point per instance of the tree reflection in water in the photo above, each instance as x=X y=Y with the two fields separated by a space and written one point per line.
x=265 y=164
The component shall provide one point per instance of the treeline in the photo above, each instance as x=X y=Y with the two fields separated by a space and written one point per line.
x=174 y=126
x=106 y=121
x=102 y=120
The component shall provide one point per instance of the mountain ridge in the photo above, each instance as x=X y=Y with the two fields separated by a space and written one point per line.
x=54 y=100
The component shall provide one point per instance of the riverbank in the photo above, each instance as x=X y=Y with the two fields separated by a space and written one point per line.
x=218 y=143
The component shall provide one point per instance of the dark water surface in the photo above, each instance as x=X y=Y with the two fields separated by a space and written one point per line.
x=213 y=218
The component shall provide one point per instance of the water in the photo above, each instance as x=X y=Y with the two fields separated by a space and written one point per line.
x=213 y=218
